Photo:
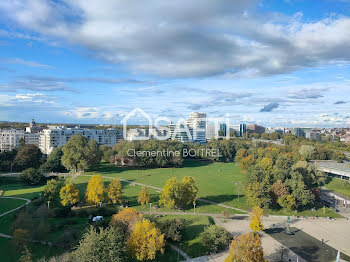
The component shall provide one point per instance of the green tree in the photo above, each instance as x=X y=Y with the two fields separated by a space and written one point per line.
x=189 y=190
x=103 y=245
x=53 y=163
x=171 y=193
x=80 y=154
x=31 y=176
x=114 y=191
x=287 y=202
x=28 y=156
x=307 y=151
x=172 y=228
x=258 y=194
x=247 y=162
x=52 y=189
x=215 y=238
x=69 y=195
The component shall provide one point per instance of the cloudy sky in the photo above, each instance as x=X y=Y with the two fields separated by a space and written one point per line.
x=273 y=62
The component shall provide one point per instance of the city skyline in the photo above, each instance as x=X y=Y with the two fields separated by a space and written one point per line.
x=276 y=63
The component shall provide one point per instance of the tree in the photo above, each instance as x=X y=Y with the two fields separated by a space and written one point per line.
x=172 y=228
x=278 y=189
x=266 y=163
x=114 y=191
x=26 y=255
x=287 y=202
x=215 y=238
x=189 y=190
x=80 y=154
x=95 y=190
x=103 y=245
x=307 y=151
x=31 y=176
x=177 y=193
x=69 y=195
x=145 y=240
x=52 y=189
x=144 y=197
x=241 y=153
x=53 y=163
x=247 y=162
x=28 y=156
x=258 y=194
x=128 y=216
x=255 y=219
x=171 y=193
x=246 y=248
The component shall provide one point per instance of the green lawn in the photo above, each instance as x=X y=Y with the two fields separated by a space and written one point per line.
x=13 y=187
x=194 y=225
x=7 y=204
x=340 y=186
x=219 y=182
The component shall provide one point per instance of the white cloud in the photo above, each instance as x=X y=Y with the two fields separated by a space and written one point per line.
x=20 y=61
x=187 y=39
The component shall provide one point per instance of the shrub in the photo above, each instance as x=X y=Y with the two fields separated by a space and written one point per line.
x=215 y=238
x=31 y=176
x=62 y=211
x=172 y=228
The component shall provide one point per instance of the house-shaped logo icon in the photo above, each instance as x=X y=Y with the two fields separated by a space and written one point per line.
x=133 y=113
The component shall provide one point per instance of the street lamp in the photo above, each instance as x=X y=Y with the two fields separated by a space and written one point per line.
x=11 y=167
x=48 y=204
x=100 y=203
x=150 y=207
x=194 y=207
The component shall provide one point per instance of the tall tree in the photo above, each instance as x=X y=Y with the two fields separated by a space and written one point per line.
x=114 y=191
x=69 y=195
x=145 y=240
x=80 y=154
x=28 y=156
x=53 y=163
x=31 y=176
x=189 y=190
x=103 y=245
x=52 y=189
x=246 y=248
x=95 y=190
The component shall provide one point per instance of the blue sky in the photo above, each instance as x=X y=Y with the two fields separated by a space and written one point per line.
x=277 y=63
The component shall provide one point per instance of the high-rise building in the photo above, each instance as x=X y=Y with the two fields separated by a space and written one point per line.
x=57 y=136
x=254 y=128
x=242 y=129
x=198 y=122
x=181 y=132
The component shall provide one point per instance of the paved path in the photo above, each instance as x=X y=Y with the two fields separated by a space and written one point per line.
x=17 y=208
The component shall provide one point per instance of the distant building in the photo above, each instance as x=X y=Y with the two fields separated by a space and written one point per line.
x=242 y=129
x=198 y=122
x=181 y=132
x=223 y=130
x=312 y=135
x=32 y=134
x=57 y=136
x=211 y=132
x=10 y=139
x=254 y=128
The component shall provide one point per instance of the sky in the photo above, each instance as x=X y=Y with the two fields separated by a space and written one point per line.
x=275 y=63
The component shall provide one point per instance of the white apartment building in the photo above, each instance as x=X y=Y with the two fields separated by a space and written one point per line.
x=181 y=132
x=198 y=122
x=57 y=136
x=10 y=138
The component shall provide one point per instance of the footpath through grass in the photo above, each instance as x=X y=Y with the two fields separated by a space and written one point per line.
x=7 y=204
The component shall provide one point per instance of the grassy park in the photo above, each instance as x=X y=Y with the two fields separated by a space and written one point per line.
x=218 y=182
